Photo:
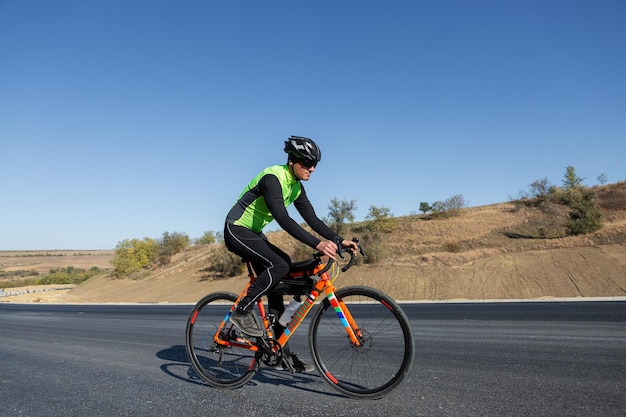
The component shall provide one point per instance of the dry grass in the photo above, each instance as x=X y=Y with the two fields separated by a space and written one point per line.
x=612 y=197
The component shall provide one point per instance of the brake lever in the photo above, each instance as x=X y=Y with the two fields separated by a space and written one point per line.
x=339 y=247
x=356 y=240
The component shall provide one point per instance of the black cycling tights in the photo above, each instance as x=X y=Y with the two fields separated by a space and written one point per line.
x=269 y=262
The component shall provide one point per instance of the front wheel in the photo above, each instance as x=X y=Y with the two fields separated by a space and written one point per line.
x=384 y=355
x=223 y=366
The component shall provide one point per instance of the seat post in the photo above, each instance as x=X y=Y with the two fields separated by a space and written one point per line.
x=249 y=266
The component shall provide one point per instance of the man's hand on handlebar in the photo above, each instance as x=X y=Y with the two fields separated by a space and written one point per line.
x=330 y=248
x=327 y=247
x=351 y=245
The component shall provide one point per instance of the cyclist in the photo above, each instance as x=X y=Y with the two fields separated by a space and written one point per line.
x=265 y=199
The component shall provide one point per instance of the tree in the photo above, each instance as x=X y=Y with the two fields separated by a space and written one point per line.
x=572 y=186
x=171 y=244
x=339 y=212
x=208 y=238
x=425 y=207
x=602 y=178
x=380 y=219
x=133 y=255
x=585 y=216
x=571 y=180
x=449 y=207
x=540 y=188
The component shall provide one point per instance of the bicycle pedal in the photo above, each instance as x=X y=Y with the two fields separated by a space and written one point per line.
x=286 y=365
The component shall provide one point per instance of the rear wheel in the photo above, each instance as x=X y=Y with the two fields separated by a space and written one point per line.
x=385 y=354
x=219 y=366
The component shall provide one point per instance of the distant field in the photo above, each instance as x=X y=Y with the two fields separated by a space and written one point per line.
x=44 y=261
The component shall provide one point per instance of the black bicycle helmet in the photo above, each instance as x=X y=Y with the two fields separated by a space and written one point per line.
x=303 y=149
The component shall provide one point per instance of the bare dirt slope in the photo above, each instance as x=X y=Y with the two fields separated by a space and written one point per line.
x=501 y=251
x=577 y=272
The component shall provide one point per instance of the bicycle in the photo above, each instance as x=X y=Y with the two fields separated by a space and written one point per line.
x=360 y=339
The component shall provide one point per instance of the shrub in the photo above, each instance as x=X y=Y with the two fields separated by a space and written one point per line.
x=374 y=247
x=453 y=246
x=585 y=216
x=171 y=244
x=380 y=219
x=208 y=238
x=450 y=207
x=134 y=255
x=68 y=275
x=540 y=189
x=225 y=263
x=20 y=273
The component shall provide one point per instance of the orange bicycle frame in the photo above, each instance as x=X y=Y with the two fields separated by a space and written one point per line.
x=323 y=286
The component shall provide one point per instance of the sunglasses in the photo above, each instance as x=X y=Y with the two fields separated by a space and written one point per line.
x=307 y=164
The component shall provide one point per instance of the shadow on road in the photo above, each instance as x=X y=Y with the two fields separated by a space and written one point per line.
x=179 y=367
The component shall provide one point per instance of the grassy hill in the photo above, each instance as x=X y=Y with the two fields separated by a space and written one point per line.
x=509 y=250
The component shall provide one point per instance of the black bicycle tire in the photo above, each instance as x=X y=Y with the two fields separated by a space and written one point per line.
x=368 y=359
x=193 y=353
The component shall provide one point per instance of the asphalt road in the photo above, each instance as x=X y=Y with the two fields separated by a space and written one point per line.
x=482 y=359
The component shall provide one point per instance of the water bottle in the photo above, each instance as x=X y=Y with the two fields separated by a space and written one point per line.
x=293 y=306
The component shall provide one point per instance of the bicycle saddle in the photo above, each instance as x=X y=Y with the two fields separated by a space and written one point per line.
x=305 y=267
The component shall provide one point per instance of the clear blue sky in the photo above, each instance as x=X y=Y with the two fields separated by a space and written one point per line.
x=126 y=119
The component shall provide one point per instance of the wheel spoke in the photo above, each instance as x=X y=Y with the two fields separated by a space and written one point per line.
x=380 y=363
x=217 y=365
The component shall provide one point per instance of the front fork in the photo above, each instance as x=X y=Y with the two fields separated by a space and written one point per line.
x=353 y=331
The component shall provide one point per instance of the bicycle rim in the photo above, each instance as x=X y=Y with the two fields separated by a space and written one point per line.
x=218 y=366
x=384 y=358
